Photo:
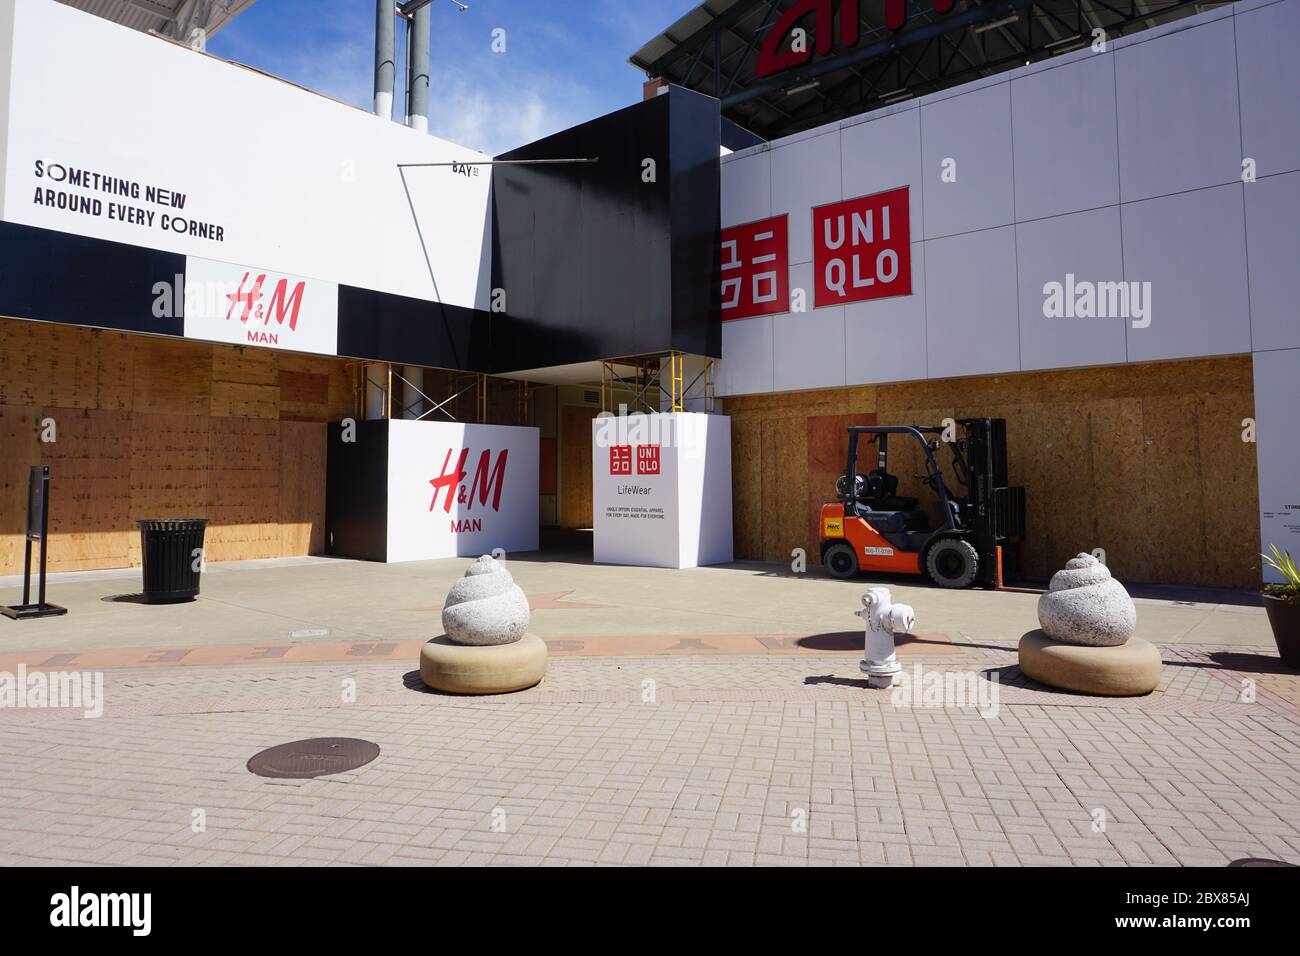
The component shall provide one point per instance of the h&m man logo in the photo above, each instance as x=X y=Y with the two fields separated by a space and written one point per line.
x=283 y=303
x=772 y=59
x=488 y=479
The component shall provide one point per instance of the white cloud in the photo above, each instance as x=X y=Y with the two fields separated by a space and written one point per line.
x=488 y=120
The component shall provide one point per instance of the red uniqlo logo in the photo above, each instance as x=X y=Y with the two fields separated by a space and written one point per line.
x=647 y=459
x=756 y=269
x=620 y=459
x=862 y=249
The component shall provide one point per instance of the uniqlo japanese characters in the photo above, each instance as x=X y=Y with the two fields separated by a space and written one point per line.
x=756 y=269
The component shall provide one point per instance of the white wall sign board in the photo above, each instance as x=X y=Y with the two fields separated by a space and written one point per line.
x=661 y=489
x=176 y=150
x=1277 y=392
x=461 y=490
x=246 y=306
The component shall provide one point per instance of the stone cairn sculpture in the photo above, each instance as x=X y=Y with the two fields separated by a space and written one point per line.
x=1086 y=638
x=485 y=606
x=486 y=648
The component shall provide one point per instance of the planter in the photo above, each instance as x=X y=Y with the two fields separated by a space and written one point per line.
x=1284 y=618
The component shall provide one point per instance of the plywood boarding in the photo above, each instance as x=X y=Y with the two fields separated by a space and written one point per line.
x=302 y=494
x=89 y=461
x=156 y=427
x=169 y=470
x=243 y=489
x=19 y=440
x=1144 y=461
x=171 y=376
x=576 y=465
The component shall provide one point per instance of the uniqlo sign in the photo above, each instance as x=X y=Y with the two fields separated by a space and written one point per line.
x=647 y=459
x=756 y=269
x=862 y=249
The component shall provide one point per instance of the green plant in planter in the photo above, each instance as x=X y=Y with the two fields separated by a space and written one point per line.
x=1283 y=564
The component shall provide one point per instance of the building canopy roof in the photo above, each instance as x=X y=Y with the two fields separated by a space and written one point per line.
x=175 y=19
x=715 y=49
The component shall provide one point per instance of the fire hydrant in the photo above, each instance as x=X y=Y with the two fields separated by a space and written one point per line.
x=883 y=620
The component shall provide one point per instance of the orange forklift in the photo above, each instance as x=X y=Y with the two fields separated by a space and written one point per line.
x=979 y=535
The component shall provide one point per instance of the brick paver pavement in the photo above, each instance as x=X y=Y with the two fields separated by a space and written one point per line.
x=732 y=760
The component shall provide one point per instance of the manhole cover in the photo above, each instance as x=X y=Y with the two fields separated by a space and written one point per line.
x=1259 y=861
x=313 y=758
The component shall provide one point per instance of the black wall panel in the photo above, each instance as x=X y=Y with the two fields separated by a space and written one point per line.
x=696 y=221
x=356 y=492
x=400 y=329
x=595 y=261
x=58 y=277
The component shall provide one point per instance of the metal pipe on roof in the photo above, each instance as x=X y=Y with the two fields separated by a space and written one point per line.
x=385 y=62
x=417 y=69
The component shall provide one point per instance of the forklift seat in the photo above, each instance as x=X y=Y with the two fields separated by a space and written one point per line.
x=878 y=492
x=897 y=522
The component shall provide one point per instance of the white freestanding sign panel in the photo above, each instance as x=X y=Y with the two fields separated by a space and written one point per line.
x=661 y=490
x=457 y=490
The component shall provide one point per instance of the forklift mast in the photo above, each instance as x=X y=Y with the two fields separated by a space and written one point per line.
x=997 y=509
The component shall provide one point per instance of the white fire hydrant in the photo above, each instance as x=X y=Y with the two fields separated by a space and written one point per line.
x=883 y=620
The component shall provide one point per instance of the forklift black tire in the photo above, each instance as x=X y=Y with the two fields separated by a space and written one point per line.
x=952 y=563
x=841 y=560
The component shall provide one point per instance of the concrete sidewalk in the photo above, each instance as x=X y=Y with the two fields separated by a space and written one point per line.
x=714 y=716
x=605 y=609
x=706 y=760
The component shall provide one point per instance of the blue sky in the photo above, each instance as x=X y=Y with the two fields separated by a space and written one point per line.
x=565 y=60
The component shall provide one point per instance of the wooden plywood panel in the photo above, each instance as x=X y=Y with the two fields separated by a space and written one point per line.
x=1230 y=481
x=43 y=364
x=243 y=489
x=169 y=470
x=304 y=395
x=90 y=493
x=114 y=370
x=246 y=366
x=244 y=383
x=770 y=489
x=314 y=388
x=575 y=466
x=241 y=400
x=302 y=488
x=1066 y=511
x=171 y=376
x=1115 y=439
x=1172 y=532
x=792 y=492
x=747 y=487
x=828 y=446
x=21 y=446
x=547 y=467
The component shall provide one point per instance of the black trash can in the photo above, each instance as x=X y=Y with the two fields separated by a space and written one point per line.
x=171 y=552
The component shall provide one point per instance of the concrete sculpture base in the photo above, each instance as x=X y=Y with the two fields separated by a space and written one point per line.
x=1121 y=670
x=491 y=669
